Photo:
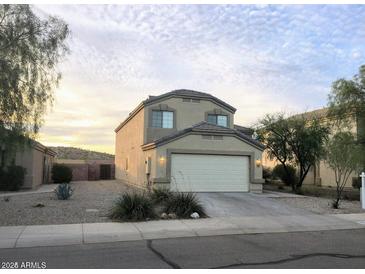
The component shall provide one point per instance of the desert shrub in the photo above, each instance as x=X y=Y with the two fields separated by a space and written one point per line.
x=64 y=191
x=266 y=173
x=356 y=182
x=12 y=178
x=61 y=174
x=2 y=179
x=133 y=207
x=183 y=205
x=160 y=195
x=288 y=179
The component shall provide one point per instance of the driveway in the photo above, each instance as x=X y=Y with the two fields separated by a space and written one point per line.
x=235 y=204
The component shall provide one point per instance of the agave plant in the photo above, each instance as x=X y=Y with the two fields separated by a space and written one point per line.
x=160 y=195
x=64 y=191
x=183 y=205
x=133 y=207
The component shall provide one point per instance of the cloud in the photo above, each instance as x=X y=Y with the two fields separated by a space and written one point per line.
x=257 y=58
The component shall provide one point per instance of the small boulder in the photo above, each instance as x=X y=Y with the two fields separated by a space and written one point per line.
x=39 y=205
x=172 y=216
x=164 y=216
x=195 y=215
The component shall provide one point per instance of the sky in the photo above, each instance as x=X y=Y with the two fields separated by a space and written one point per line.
x=259 y=58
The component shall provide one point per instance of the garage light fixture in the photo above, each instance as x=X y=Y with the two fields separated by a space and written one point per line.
x=258 y=162
x=162 y=160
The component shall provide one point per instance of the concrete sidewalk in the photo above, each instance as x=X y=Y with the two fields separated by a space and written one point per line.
x=69 y=234
x=46 y=188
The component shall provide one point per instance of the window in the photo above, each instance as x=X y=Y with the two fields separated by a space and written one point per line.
x=220 y=120
x=162 y=119
x=126 y=163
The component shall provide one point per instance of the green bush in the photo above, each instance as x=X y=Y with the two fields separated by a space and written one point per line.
x=12 y=178
x=279 y=172
x=64 y=191
x=133 y=207
x=160 y=195
x=61 y=174
x=183 y=205
x=356 y=182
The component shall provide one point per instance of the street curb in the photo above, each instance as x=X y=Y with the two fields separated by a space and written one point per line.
x=88 y=233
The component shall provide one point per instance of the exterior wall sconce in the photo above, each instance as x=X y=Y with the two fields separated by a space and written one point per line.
x=162 y=160
x=258 y=162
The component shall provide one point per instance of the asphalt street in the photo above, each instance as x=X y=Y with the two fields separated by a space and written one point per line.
x=322 y=249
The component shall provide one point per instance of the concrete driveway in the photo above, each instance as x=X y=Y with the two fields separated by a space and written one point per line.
x=235 y=204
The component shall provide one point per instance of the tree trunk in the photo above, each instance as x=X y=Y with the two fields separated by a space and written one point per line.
x=336 y=202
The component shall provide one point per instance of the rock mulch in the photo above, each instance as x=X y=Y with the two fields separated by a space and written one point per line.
x=90 y=203
x=323 y=205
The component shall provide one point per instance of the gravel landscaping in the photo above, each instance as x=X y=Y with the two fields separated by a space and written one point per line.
x=323 y=205
x=90 y=203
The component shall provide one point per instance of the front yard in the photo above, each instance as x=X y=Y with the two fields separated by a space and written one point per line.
x=319 y=199
x=90 y=203
x=349 y=193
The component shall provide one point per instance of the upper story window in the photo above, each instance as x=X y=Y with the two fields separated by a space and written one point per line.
x=220 y=120
x=162 y=119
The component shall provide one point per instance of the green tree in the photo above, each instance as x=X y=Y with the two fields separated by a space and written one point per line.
x=347 y=98
x=273 y=133
x=294 y=141
x=343 y=157
x=346 y=103
x=30 y=49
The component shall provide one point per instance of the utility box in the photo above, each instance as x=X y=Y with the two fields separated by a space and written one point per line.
x=148 y=165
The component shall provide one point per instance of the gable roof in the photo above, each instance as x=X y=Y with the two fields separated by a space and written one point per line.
x=187 y=93
x=180 y=93
x=203 y=128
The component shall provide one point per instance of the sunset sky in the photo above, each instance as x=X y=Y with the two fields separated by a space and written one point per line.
x=259 y=59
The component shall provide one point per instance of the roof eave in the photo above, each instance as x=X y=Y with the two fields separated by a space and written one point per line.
x=213 y=99
x=130 y=116
x=155 y=144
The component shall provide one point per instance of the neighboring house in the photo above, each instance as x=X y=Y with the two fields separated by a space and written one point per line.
x=86 y=165
x=186 y=140
x=89 y=170
x=37 y=159
x=321 y=174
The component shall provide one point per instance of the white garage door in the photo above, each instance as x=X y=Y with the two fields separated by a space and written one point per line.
x=209 y=173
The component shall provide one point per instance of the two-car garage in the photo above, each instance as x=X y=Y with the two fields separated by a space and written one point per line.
x=209 y=173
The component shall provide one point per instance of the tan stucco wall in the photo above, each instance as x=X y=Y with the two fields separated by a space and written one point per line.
x=32 y=160
x=128 y=143
x=196 y=142
x=187 y=114
x=37 y=168
x=327 y=176
x=24 y=158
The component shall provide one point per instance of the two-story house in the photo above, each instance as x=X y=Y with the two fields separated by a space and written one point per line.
x=187 y=141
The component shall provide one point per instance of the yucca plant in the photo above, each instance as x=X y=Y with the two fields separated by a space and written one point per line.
x=183 y=205
x=160 y=195
x=64 y=191
x=133 y=207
